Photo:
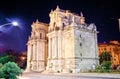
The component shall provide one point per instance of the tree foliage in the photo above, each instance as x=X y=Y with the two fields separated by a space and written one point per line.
x=10 y=70
x=105 y=56
x=1 y=65
x=104 y=67
x=7 y=58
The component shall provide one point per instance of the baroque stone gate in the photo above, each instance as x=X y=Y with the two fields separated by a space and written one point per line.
x=66 y=45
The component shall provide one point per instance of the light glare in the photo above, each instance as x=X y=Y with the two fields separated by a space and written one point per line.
x=15 y=23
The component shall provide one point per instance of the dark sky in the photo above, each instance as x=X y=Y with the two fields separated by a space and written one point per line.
x=104 y=13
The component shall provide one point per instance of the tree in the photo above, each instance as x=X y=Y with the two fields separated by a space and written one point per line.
x=10 y=70
x=10 y=55
x=6 y=59
x=1 y=65
x=105 y=56
x=1 y=73
x=8 y=52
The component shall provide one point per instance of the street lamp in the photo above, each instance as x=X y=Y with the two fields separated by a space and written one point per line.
x=14 y=23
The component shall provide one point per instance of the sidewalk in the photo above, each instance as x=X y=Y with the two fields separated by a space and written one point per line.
x=107 y=75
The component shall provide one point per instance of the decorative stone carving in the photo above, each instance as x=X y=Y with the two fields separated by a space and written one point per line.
x=36 y=52
x=72 y=44
x=75 y=39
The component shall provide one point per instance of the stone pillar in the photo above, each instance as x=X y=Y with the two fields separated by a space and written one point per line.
x=49 y=48
x=34 y=51
x=56 y=47
x=43 y=55
x=33 y=61
x=49 y=53
x=28 y=58
x=37 y=55
x=52 y=47
x=55 y=55
x=60 y=51
x=60 y=44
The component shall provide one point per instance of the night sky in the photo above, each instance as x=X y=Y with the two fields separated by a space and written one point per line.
x=104 y=13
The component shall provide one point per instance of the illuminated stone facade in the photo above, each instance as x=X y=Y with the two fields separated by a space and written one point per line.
x=37 y=47
x=72 y=44
x=113 y=47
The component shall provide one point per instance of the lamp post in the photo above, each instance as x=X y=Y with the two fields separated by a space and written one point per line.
x=14 y=23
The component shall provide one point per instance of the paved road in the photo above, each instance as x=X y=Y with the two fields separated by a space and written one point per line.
x=69 y=76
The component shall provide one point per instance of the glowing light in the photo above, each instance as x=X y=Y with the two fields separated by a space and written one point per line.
x=14 y=23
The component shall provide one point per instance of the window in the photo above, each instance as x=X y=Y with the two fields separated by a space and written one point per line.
x=80 y=44
x=63 y=24
x=81 y=54
x=40 y=35
x=65 y=17
x=54 y=24
x=114 y=59
x=110 y=48
x=81 y=59
x=80 y=36
x=105 y=49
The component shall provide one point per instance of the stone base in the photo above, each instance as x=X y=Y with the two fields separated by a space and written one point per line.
x=26 y=70
x=67 y=71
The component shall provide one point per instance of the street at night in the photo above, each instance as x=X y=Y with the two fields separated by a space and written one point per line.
x=59 y=39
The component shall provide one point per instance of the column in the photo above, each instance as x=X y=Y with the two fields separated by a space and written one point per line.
x=28 y=57
x=56 y=61
x=31 y=51
x=60 y=50
x=37 y=55
x=34 y=51
x=43 y=55
x=56 y=47
x=49 y=50
x=60 y=44
x=52 y=47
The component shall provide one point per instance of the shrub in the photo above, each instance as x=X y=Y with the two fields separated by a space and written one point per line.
x=104 y=67
x=99 y=68
x=10 y=70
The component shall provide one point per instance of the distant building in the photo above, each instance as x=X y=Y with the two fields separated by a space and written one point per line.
x=72 y=44
x=113 y=47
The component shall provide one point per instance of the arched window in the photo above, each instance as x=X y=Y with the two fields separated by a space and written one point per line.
x=63 y=24
x=54 y=24
x=40 y=35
